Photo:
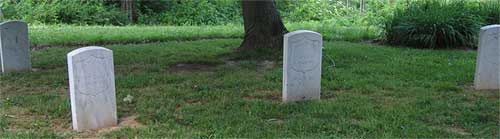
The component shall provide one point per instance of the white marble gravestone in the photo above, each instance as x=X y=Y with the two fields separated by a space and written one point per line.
x=92 y=88
x=302 y=65
x=14 y=47
x=488 y=59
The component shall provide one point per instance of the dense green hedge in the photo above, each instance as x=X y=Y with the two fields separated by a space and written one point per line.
x=62 y=11
x=195 y=12
x=440 y=23
x=171 y=12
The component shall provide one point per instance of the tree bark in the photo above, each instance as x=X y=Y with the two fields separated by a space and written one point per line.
x=263 y=25
x=128 y=7
x=362 y=6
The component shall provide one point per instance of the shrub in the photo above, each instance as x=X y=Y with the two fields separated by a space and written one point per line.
x=62 y=11
x=378 y=13
x=186 y=12
x=314 y=10
x=434 y=24
x=490 y=11
x=195 y=12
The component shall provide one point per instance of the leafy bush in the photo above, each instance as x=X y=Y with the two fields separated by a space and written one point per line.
x=490 y=11
x=378 y=13
x=201 y=12
x=62 y=11
x=314 y=10
x=170 y=12
x=435 y=24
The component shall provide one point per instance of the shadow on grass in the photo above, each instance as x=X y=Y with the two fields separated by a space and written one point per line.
x=259 y=54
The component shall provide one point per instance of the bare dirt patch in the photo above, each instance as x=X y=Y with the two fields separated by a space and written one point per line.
x=129 y=122
x=20 y=118
x=264 y=94
x=266 y=65
x=195 y=102
x=489 y=94
x=191 y=67
x=455 y=130
x=41 y=47
x=277 y=121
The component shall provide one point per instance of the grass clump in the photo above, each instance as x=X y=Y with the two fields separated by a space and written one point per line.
x=439 y=24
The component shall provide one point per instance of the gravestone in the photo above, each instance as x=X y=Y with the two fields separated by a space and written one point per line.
x=14 y=47
x=92 y=88
x=302 y=65
x=488 y=59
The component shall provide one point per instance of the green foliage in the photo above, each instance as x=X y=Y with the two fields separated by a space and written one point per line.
x=172 y=12
x=201 y=12
x=3 y=121
x=189 y=12
x=319 y=10
x=308 y=10
x=378 y=13
x=436 y=24
x=490 y=11
x=62 y=11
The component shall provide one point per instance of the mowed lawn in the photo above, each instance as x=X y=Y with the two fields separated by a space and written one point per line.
x=202 y=88
x=57 y=35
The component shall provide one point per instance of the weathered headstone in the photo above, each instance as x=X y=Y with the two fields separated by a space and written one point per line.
x=302 y=65
x=488 y=59
x=92 y=88
x=14 y=47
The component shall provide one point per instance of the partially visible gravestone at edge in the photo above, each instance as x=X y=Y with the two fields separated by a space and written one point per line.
x=92 y=88
x=302 y=65
x=488 y=59
x=14 y=47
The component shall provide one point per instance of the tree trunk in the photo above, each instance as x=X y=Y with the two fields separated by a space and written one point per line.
x=263 y=25
x=128 y=7
x=362 y=6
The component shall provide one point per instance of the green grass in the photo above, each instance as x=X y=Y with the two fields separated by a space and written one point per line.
x=372 y=91
x=89 y=35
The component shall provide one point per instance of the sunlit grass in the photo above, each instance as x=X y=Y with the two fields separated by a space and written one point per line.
x=368 y=91
x=88 y=35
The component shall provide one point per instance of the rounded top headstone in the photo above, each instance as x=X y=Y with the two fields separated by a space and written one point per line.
x=13 y=22
x=86 y=49
x=490 y=27
x=300 y=32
